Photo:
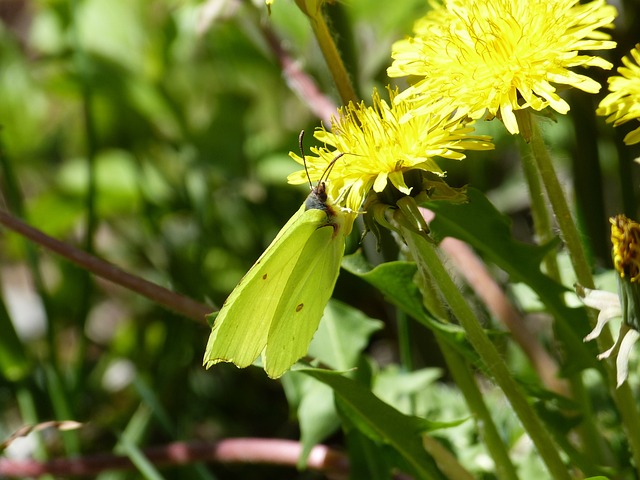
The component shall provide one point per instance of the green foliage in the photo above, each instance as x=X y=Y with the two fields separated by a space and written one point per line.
x=156 y=137
x=381 y=423
x=13 y=357
x=338 y=343
x=492 y=237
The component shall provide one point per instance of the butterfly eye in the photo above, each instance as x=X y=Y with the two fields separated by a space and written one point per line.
x=317 y=199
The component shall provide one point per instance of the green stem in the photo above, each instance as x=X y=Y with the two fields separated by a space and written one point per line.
x=334 y=60
x=544 y=232
x=595 y=447
x=445 y=459
x=560 y=208
x=404 y=341
x=622 y=396
x=427 y=259
x=626 y=405
x=487 y=428
x=539 y=211
x=62 y=408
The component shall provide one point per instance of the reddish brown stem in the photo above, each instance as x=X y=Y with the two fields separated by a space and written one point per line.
x=183 y=305
x=236 y=450
x=299 y=81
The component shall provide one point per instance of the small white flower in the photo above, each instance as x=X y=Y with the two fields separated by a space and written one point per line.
x=609 y=305
x=625 y=238
x=624 y=343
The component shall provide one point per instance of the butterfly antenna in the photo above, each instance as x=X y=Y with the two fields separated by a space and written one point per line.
x=327 y=171
x=304 y=159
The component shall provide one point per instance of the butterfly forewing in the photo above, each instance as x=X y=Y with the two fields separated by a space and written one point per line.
x=240 y=331
x=309 y=288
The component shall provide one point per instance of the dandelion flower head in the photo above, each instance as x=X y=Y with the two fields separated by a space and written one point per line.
x=474 y=56
x=625 y=237
x=377 y=148
x=623 y=103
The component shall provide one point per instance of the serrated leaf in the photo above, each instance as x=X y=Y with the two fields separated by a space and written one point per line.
x=478 y=223
x=381 y=422
x=395 y=281
x=341 y=337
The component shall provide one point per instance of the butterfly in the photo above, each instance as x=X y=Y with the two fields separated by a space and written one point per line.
x=276 y=308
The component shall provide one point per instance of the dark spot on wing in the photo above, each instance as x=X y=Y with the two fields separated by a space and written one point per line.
x=299 y=307
x=264 y=277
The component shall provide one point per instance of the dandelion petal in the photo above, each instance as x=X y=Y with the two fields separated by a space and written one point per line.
x=622 y=362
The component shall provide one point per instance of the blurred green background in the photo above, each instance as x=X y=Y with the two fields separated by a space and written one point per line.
x=182 y=111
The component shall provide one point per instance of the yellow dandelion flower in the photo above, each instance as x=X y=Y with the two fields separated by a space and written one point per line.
x=623 y=103
x=377 y=148
x=625 y=237
x=497 y=56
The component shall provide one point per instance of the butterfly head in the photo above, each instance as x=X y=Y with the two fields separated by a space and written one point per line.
x=319 y=191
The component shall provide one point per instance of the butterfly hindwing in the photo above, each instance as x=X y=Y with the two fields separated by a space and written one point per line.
x=240 y=331
x=277 y=306
x=309 y=288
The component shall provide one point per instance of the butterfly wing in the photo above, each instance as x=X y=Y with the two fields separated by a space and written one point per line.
x=309 y=288
x=240 y=331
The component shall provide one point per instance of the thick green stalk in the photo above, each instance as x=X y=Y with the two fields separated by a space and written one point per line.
x=560 y=208
x=539 y=211
x=334 y=60
x=488 y=431
x=463 y=376
x=622 y=396
x=404 y=341
x=426 y=257
x=544 y=232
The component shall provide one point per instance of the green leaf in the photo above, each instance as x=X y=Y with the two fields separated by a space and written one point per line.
x=341 y=337
x=380 y=422
x=492 y=236
x=317 y=415
x=366 y=458
x=399 y=388
x=395 y=281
